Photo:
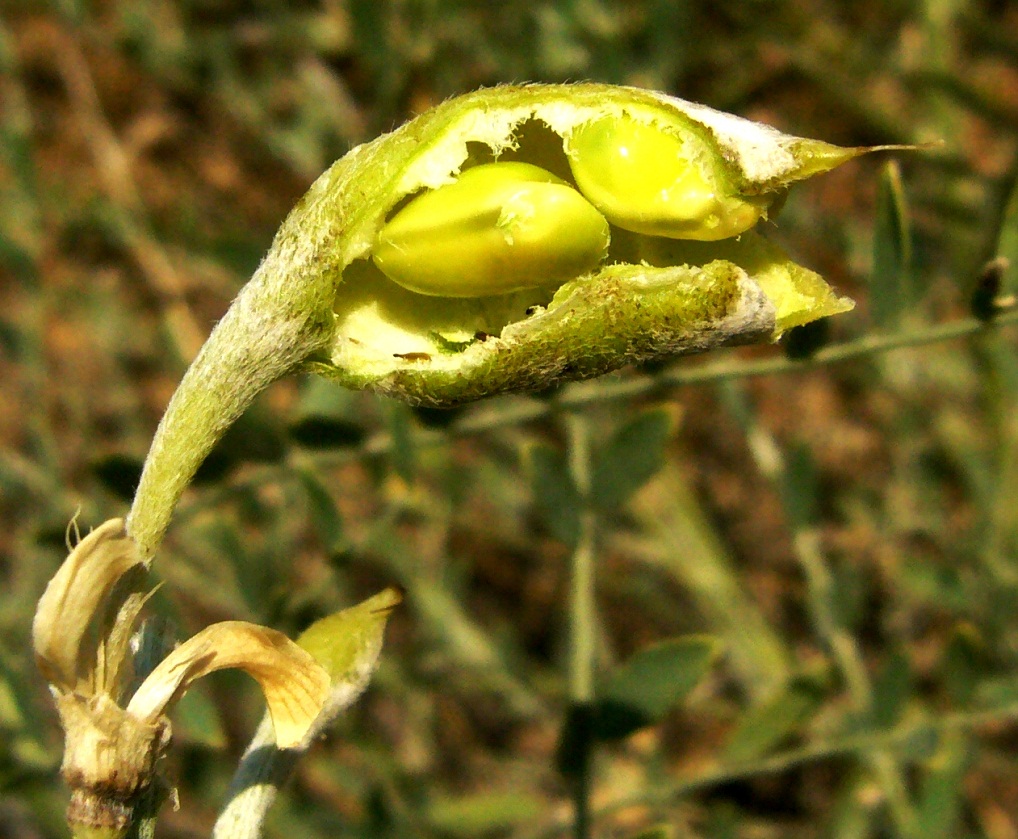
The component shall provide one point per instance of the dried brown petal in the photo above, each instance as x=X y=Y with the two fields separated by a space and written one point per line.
x=73 y=598
x=295 y=685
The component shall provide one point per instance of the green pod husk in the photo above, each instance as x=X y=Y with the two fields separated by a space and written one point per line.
x=442 y=351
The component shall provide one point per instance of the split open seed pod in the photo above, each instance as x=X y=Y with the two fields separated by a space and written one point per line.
x=506 y=240
x=457 y=274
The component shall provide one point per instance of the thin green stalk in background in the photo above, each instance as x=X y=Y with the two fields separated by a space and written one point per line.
x=582 y=625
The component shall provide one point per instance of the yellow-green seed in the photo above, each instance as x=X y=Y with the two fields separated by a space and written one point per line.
x=646 y=179
x=500 y=227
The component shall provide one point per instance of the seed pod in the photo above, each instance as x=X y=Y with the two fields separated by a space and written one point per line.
x=499 y=228
x=647 y=179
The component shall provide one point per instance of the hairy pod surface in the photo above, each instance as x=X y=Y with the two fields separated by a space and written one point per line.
x=499 y=228
x=638 y=205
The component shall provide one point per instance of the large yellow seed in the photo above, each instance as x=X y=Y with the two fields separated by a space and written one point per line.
x=500 y=227
x=648 y=180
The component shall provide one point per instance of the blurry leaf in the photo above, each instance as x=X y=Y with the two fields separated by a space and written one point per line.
x=18 y=260
x=769 y=723
x=891 y=250
x=934 y=583
x=11 y=336
x=998 y=284
x=19 y=725
x=800 y=486
x=658 y=831
x=694 y=553
x=1007 y=239
x=960 y=89
x=652 y=682
x=10 y=712
x=118 y=473
x=403 y=454
x=196 y=720
x=988 y=297
x=327 y=416
x=854 y=593
x=723 y=820
x=318 y=432
x=997 y=695
x=855 y=807
x=940 y=799
x=920 y=743
x=962 y=663
x=255 y=580
x=630 y=459
x=556 y=497
x=475 y=815
x=803 y=341
x=440 y=418
x=891 y=690
x=325 y=517
x=576 y=740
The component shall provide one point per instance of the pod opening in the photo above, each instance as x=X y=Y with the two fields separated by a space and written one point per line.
x=385 y=321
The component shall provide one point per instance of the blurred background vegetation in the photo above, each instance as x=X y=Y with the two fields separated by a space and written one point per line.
x=839 y=542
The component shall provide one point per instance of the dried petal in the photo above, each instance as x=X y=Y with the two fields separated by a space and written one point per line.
x=295 y=685
x=73 y=599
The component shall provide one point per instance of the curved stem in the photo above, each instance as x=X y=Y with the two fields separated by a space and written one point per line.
x=268 y=332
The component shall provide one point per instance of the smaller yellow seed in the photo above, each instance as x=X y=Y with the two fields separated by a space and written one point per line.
x=648 y=180
x=501 y=227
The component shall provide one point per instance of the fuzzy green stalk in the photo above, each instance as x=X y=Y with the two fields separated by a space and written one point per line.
x=279 y=319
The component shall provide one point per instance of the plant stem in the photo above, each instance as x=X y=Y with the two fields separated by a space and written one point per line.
x=581 y=595
x=871 y=344
x=263 y=769
x=266 y=334
x=582 y=627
